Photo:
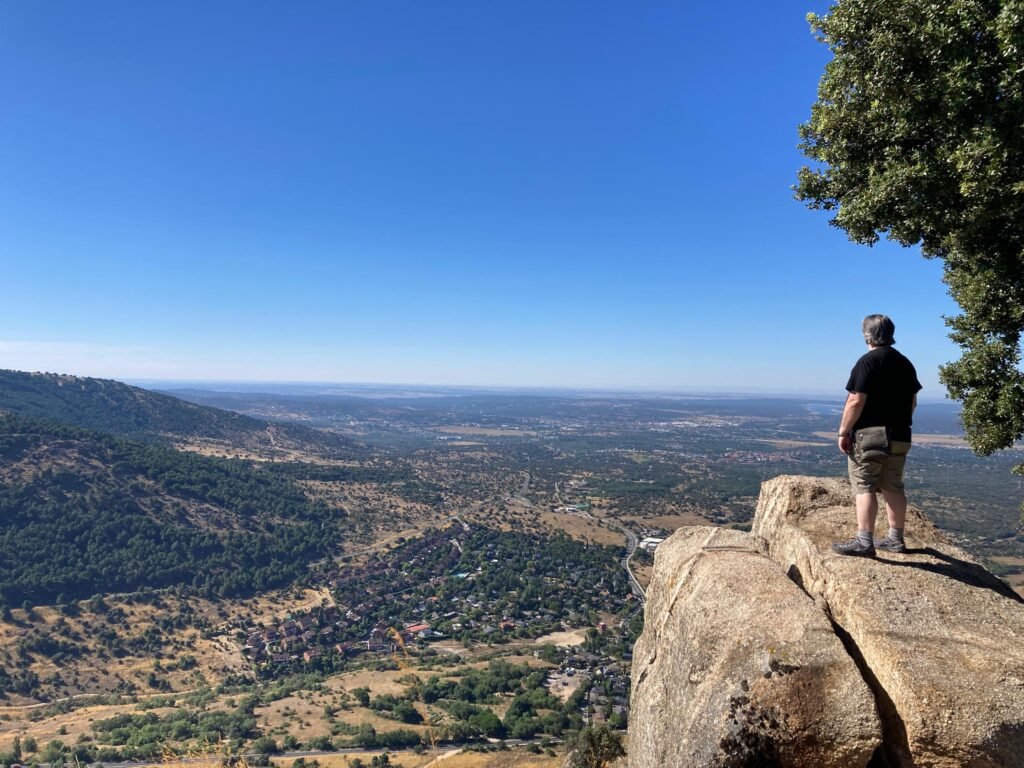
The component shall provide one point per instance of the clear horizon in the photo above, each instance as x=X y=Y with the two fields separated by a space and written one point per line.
x=518 y=195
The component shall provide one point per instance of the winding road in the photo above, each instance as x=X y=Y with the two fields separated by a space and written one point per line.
x=632 y=545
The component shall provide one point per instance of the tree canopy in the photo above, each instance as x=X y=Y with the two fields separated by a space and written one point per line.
x=83 y=513
x=596 y=748
x=918 y=135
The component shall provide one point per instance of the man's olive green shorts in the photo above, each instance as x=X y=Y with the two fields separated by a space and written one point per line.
x=882 y=474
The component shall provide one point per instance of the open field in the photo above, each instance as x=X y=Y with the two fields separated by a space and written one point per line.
x=128 y=643
x=1016 y=580
x=563 y=685
x=274 y=606
x=792 y=443
x=1011 y=561
x=303 y=717
x=563 y=639
x=222 y=450
x=67 y=726
x=486 y=431
x=946 y=441
x=378 y=682
x=667 y=522
x=91 y=668
x=582 y=528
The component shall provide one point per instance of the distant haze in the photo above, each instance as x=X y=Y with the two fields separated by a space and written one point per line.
x=415 y=390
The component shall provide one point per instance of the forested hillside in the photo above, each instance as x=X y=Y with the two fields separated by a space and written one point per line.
x=83 y=513
x=120 y=409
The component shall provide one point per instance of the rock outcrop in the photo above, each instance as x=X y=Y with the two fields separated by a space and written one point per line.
x=769 y=649
x=939 y=639
x=737 y=666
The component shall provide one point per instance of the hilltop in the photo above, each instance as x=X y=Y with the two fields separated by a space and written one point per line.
x=120 y=409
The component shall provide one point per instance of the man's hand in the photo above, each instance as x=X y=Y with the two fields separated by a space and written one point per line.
x=855 y=402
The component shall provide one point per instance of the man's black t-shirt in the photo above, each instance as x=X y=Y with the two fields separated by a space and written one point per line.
x=890 y=382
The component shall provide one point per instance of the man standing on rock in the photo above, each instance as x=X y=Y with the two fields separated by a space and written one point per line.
x=875 y=435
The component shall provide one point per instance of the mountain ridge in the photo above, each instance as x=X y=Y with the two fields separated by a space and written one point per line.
x=110 y=406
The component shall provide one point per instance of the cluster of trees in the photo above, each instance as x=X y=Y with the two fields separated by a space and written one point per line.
x=532 y=710
x=20 y=750
x=110 y=515
x=24 y=682
x=505 y=573
x=479 y=686
x=595 y=748
x=55 y=753
x=367 y=737
x=400 y=478
x=141 y=736
x=400 y=709
x=381 y=473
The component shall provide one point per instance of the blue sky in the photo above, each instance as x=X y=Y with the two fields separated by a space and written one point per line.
x=529 y=193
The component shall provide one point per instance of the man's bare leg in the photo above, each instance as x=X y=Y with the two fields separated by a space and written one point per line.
x=867 y=511
x=896 y=508
x=863 y=545
x=896 y=511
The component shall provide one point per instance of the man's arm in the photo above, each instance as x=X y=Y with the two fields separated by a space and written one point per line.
x=851 y=412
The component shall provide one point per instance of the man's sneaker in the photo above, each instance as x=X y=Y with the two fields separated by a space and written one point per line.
x=854 y=547
x=890 y=544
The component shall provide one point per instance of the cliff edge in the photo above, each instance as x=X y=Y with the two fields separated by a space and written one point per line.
x=769 y=649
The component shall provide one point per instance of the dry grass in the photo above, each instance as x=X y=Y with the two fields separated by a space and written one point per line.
x=1016 y=580
x=451 y=647
x=216 y=757
x=567 y=639
x=67 y=727
x=498 y=760
x=582 y=529
x=91 y=673
x=96 y=673
x=949 y=441
x=643 y=574
x=794 y=443
x=301 y=717
x=271 y=607
x=1011 y=561
x=443 y=759
x=518 y=659
x=563 y=686
x=666 y=522
x=226 y=450
x=378 y=683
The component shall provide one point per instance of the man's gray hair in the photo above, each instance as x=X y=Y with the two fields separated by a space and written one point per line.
x=879 y=330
